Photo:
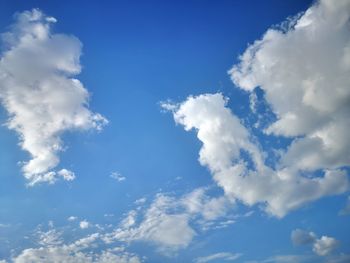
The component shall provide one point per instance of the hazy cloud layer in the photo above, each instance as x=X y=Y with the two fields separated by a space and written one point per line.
x=40 y=94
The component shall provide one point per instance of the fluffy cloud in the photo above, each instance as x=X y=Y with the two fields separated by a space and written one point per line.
x=304 y=70
x=325 y=245
x=40 y=94
x=237 y=162
x=321 y=246
x=222 y=256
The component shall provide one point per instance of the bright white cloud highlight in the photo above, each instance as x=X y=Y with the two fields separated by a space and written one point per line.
x=321 y=246
x=40 y=94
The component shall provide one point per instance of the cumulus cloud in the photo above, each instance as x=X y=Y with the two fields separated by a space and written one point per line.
x=321 y=246
x=222 y=256
x=40 y=93
x=304 y=70
x=237 y=161
x=325 y=245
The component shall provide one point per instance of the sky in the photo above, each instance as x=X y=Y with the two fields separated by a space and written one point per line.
x=175 y=131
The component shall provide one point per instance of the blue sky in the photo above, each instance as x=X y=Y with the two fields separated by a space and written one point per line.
x=174 y=131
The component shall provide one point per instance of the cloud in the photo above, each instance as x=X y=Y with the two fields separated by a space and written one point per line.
x=72 y=218
x=84 y=224
x=321 y=246
x=303 y=68
x=40 y=93
x=78 y=251
x=50 y=238
x=117 y=176
x=170 y=222
x=210 y=208
x=237 y=161
x=160 y=225
x=325 y=245
x=222 y=256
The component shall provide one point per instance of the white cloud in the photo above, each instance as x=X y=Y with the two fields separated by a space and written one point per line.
x=321 y=246
x=325 y=245
x=50 y=238
x=84 y=224
x=160 y=225
x=169 y=222
x=65 y=254
x=38 y=90
x=210 y=208
x=72 y=218
x=226 y=145
x=78 y=251
x=117 y=176
x=304 y=70
x=141 y=201
x=222 y=256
